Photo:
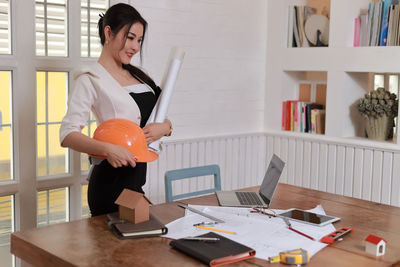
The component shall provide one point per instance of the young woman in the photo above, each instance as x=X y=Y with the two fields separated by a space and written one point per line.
x=112 y=88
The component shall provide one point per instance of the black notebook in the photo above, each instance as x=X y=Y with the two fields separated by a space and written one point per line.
x=123 y=229
x=215 y=253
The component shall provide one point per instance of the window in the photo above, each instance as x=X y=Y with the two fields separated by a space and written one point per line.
x=379 y=81
x=52 y=206
x=90 y=10
x=6 y=228
x=6 y=170
x=85 y=206
x=52 y=88
x=51 y=28
x=5 y=31
x=391 y=83
x=88 y=130
x=394 y=84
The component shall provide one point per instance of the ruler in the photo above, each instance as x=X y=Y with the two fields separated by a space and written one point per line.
x=201 y=213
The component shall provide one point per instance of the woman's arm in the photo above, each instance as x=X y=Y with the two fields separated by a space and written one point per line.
x=117 y=156
x=154 y=131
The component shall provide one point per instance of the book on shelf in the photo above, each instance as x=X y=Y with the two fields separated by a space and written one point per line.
x=384 y=22
x=295 y=29
x=123 y=229
x=298 y=116
x=310 y=107
x=296 y=32
x=290 y=27
x=283 y=116
x=376 y=25
x=363 y=28
x=389 y=25
x=216 y=253
x=396 y=27
x=357 y=29
x=320 y=121
x=300 y=25
x=379 y=24
x=369 y=22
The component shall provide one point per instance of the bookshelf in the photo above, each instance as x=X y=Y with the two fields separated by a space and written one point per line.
x=348 y=69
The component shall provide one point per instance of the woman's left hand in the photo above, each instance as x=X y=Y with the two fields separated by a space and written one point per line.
x=154 y=131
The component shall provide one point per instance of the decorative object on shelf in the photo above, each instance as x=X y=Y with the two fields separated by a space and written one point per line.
x=314 y=24
x=379 y=108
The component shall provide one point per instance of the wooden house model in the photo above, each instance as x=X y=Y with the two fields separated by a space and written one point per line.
x=133 y=206
x=375 y=245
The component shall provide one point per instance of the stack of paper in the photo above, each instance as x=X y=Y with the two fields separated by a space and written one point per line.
x=268 y=236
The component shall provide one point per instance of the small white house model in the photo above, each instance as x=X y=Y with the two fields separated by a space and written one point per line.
x=375 y=245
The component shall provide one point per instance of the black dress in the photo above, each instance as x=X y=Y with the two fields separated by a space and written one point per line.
x=106 y=182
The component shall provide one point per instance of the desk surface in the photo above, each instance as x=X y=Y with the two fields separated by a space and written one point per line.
x=88 y=242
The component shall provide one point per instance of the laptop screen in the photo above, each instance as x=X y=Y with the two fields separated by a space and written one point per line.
x=271 y=178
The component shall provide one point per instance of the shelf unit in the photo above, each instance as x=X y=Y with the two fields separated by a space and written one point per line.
x=347 y=68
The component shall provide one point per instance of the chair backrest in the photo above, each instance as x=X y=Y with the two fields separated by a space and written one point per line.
x=190 y=173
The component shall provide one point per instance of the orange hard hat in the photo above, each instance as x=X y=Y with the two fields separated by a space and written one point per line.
x=127 y=134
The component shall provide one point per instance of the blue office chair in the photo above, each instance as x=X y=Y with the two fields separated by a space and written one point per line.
x=190 y=173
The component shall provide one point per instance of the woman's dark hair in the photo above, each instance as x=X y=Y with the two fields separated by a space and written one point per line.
x=117 y=17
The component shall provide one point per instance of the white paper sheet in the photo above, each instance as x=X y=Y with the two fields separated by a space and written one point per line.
x=268 y=236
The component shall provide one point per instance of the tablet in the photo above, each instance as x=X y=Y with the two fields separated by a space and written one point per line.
x=308 y=217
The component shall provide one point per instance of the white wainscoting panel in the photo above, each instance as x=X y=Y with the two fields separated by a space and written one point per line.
x=344 y=168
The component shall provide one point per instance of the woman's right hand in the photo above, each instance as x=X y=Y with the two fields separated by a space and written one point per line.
x=119 y=156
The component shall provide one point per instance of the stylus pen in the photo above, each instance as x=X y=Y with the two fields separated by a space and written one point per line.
x=297 y=231
x=214 y=229
x=197 y=238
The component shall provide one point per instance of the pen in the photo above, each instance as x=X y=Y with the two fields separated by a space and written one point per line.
x=303 y=234
x=198 y=238
x=296 y=231
x=214 y=229
x=205 y=223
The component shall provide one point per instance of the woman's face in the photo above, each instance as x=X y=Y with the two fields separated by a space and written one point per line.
x=130 y=46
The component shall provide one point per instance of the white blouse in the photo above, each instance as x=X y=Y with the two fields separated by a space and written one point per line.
x=95 y=89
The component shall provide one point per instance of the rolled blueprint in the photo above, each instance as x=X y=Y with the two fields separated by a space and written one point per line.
x=159 y=112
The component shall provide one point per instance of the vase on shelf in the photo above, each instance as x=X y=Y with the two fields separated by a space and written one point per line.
x=379 y=108
x=379 y=128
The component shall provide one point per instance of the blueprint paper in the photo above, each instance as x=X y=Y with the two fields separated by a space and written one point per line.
x=268 y=236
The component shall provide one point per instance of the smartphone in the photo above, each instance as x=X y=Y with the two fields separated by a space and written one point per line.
x=308 y=217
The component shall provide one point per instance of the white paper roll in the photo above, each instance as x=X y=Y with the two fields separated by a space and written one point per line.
x=160 y=110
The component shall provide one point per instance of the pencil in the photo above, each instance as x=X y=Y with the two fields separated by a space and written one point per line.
x=214 y=229
x=303 y=234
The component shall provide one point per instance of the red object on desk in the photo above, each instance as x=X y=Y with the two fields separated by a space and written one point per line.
x=332 y=237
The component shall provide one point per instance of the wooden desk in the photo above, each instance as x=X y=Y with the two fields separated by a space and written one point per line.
x=88 y=242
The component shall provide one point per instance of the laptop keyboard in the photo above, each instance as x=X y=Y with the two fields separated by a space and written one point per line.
x=248 y=198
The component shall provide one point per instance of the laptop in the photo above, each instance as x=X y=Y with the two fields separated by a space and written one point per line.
x=263 y=197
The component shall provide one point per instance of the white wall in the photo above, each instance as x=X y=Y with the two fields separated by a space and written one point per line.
x=221 y=85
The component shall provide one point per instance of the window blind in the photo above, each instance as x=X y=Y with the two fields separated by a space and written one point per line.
x=5 y=31
x=51 y=28
x=90 y=10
